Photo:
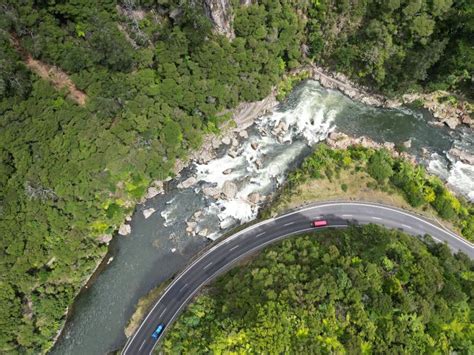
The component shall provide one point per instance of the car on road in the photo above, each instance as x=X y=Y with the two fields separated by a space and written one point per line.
x=320 y=223
x=158 y=331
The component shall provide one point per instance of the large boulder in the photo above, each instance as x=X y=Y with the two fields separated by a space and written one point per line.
x=188 y=183
x=148 y=212
x=213 y=192
x=229 y=189
x=125 y=229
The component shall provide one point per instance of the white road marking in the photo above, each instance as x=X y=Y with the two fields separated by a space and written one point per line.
x=289 y=223
x=205 y=267
x=182 y=288
x=377 y=218
x=141 y=346
x=259 y=234
x=233 y=248
x=439 y=241
x=346 y=215
x=162 y=312
x=406 y=226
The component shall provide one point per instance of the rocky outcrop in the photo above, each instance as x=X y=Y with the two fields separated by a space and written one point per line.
x=220 y=13
x=340 y=140
x=450 y=112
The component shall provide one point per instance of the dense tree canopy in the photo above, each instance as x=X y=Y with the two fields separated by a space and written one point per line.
x=396 y=45
x=360 y=290
x=155 y=80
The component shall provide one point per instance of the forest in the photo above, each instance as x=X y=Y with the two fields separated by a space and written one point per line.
x=155 y=78
x=359 y=290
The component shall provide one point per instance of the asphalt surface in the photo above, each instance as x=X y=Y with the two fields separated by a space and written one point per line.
x=224 y=254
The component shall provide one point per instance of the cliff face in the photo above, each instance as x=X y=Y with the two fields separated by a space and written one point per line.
x=220 y=12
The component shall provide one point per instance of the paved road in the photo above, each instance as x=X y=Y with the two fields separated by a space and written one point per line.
x=224 y=254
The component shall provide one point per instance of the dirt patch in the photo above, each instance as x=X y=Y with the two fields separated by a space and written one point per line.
x=53 y=74
x=57 y=77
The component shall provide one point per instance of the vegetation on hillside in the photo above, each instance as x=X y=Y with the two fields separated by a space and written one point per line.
x=69 y=173
x=396 y=45
x=358 y=290
x=390 y=174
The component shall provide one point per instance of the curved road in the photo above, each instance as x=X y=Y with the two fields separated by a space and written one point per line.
x=227 y=252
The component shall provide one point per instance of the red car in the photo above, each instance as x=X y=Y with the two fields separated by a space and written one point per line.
x=320 y=223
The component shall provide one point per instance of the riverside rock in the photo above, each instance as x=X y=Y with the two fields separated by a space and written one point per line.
x=226 y=140
x=254 y=145
x=243 y=134
x=152 y=192
x=227 y=171
x=125 y=229
x=148 y=212
x=203 y=232
x=188 y=183
x=105 y=239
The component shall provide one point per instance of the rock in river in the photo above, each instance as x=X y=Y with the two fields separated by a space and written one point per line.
x=229 y=189
x=148 y=212
x=188 y=183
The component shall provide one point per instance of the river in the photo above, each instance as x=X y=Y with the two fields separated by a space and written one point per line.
x=158 y=246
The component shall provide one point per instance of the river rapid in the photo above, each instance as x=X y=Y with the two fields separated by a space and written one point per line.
x=159 y=246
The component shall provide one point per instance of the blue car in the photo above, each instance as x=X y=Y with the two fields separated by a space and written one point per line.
x=158 y=331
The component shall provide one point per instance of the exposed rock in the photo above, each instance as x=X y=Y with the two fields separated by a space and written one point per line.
x=128 y=218
x=187 y=183
x=259 y=164
x=220 y=13
x=229 y=189
x=104 y=239
x=125 y=229
x=152 y=192
x=173 y=250
x=407 y=144
x=232 y=153
x=191 y=227
x=148 y=212
x=243 y=134
x=216 y=143
x=465 y=157
x=254 y=145
x=203 y=232
x=389 y=145
x=197 y=214
x=227 y=171
x=213 y=192
x=235 y=142
x=254 y=198
x=226 y=140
